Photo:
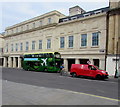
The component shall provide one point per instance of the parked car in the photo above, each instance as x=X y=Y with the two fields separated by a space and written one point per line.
x=87 y=70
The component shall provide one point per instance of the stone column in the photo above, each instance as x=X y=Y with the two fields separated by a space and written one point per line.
x=14 y=62
x=5 y=62
x=66 y=64
x=19 y=62
x=92 y=62
x=77 y=61
x=116 y=34
x=102 y=64
x=9 y=62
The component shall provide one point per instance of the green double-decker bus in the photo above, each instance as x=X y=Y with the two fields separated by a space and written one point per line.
x=43 y=61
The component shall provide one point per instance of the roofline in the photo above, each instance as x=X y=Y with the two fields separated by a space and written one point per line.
x=35 y=18
x=84 y=13
x=82 y=19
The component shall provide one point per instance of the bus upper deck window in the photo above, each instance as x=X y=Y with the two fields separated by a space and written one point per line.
x=45 y=55
x=57 y=55
x=51 y=55
x=36 y=55
x=40 y=55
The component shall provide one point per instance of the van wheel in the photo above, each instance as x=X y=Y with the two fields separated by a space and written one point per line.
x=98 y=77
x=74 y=74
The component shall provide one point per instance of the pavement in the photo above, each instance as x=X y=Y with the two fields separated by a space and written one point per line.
x=40 y=93
x=24 y=94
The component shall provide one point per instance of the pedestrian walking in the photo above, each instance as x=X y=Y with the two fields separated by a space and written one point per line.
x=62 y=69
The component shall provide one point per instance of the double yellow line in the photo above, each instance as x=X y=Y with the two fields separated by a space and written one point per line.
x=107 y=98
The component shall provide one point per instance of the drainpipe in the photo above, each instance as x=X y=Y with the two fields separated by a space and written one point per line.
x=107 y=35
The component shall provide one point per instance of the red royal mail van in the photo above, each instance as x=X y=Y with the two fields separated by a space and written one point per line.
x=87 y=70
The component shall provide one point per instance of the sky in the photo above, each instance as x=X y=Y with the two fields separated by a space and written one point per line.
x=16 y=11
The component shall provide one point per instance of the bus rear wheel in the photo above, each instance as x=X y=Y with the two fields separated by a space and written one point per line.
x=28 y=69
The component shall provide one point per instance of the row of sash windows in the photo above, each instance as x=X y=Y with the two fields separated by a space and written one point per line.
x=27 y=46
x=27 y=26
x=95 y=42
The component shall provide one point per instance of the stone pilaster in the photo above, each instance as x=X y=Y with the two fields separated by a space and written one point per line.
x=9 y=62
x=91 y=60
x=14 y=62
x=5 y=62
x=102 y=64
x=19 y=62
x=66 y=64
x=77 y=61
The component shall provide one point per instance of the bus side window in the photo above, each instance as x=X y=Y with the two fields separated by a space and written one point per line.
x=45 y=55
x=40 y=55
x=51 y=55
x=36 y=56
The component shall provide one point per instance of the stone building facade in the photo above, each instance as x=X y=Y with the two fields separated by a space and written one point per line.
x=1 y=49
x=113 y=36
x=78 y=37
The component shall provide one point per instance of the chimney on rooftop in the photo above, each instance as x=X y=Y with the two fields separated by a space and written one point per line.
x=114 y=4
x=75 y=10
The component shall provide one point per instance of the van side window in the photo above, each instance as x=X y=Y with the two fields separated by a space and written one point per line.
x=91 y=67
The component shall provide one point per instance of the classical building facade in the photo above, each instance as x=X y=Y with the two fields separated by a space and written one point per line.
x=79 y=37
x=21 y=37
x=1 y=49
